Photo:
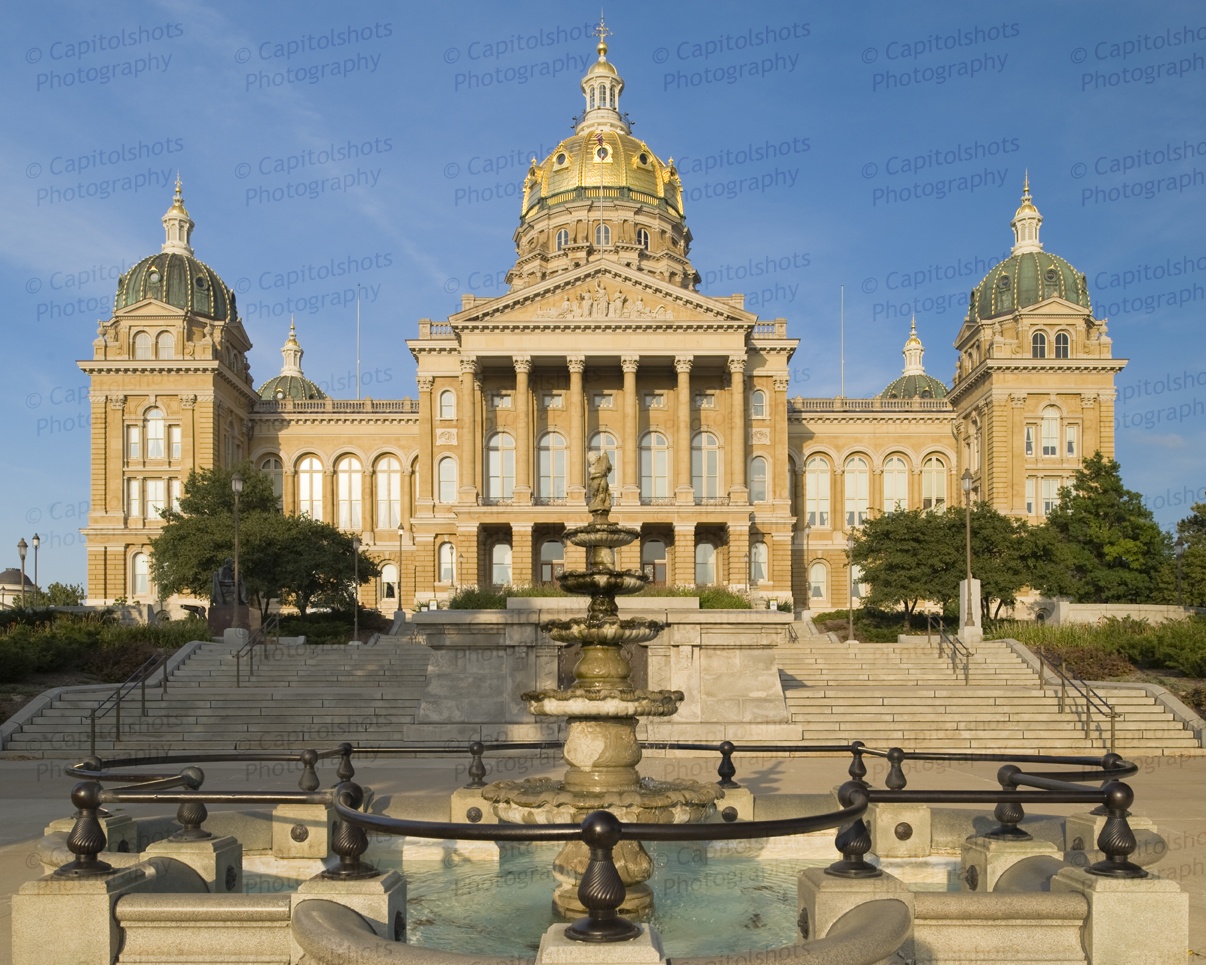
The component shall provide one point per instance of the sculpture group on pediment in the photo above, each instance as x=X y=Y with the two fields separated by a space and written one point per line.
x=598 y=302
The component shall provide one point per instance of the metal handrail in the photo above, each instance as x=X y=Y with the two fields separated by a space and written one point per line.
x=956 y=646
x=1093 y=700
x=258 y=637
x=113 y=702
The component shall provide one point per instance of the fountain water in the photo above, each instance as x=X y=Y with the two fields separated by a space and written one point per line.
x=601 y=709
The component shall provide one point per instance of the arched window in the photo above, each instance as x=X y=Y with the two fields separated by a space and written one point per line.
x=642 y=237
x=1038 y=345
x=1050 y=431
x=653 y=560
x=562 y=238
x=448 y=404
x=758 y=479
x=142 y=345
x=933 y=484
x=550 y=466
x=602 y=236
x=165 y=345
x=818 y=581
x=705 y=564
x=349 y=474
x=446 y=481
x=759 y=562
x=447 y=563
x=309 y=487
x=896 y=484
x=1063 y=345
x=655 y=457
x=389 y=582
x=816 y=491
x=500 y=564
x=857 y=478
x=500 y=466
x=552 y=560
x=388 y=481
x=272 y=466
x=757 y=404
x=592 y=98
x=606 y=442
x=705 y=465
x=155 y=433
x=140 y=576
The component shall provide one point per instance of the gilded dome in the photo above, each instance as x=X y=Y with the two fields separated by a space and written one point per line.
x=174 y=276
x=1029 y=275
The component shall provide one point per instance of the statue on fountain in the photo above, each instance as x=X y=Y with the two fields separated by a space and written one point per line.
x=598 y=469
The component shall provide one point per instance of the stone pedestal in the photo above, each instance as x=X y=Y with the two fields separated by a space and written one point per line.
x=986 y=859
x=823 y=899
x=740 y=799
x=1130 y=919
x=77 y=913
x=380 y=901
x=301 y=831
x=230 y=617
x=970 y=628
x=218 y=860
x=899 y=830
x=557 y=949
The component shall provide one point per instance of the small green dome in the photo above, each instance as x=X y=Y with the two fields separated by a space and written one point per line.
x=179 y=280
x=295 y=387
x=1025 y=279
x=915 y=387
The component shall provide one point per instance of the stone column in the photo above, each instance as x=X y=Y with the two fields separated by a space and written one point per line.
x=368 y=502
x=289 y=490
x=683 y=493
x=630 y=449
x=468 y=567
x=423 y=499
x=777 y=484
x=467 y=441
x=738 y=553
x=738 y=491
x=406 y=497
x=684 y=554
x=577 y=445
x=521 y=554
x=523 y=432
x=329 y=512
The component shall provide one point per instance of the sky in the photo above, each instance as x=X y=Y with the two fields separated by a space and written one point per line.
x=874 y=149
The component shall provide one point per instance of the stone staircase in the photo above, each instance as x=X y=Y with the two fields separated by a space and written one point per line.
x=299 y=695
x=905 y=694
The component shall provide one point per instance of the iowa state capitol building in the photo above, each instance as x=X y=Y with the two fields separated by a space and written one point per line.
x=601 y=343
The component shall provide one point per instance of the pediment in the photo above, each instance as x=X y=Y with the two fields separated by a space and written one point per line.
x=601 y=295
x=150 y=308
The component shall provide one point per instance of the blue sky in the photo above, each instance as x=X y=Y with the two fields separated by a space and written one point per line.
x=876 y=146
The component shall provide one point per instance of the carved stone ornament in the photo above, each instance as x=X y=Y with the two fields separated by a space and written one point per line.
x=446 y=437
x=597 y=301
x=760 y=437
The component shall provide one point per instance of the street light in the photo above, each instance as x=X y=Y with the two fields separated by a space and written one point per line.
x=1178 y=550
x=807 y=569
x=398 y=590
x=22 y=546
x=356 y=589
x=850 y=588
x=37 y=541
x=236 y=487
x=970 y=619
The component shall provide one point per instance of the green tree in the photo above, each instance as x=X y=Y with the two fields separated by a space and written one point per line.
x=906 y=557
x=63 y=594
x=1108 y=547
x=1003 y=555
x=1192 y=532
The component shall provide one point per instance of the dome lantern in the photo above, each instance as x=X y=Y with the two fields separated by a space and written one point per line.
x=1026 y=222
x=913 y=382
x=178 y=225
x=291 y=384
x=601 y=87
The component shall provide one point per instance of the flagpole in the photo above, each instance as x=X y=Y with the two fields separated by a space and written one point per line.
x=358 y=342
x=843 y=341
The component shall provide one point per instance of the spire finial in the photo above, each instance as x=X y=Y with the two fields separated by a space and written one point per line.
x=177 y=224
x=602 y=33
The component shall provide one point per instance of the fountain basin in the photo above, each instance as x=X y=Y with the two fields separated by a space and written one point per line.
x=609 y=633
x=607 y=534
x=545 y=800
x=608 y=583
x=610 y=703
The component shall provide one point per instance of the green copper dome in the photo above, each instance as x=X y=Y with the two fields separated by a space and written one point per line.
x=915 y=387
x=295 y=387
x=1026 y=279
x=179 y=280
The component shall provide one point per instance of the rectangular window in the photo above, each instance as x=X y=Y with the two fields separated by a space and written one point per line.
x=705 y=400
x=174 y=494
x=155 y=498
x=1050 y=437
x=500 y=400
x=1050 y=494
x=655 y=400
x=133 y=440
x=1070 y=440
x=1030 y=440
x=604 y=400
x=174 y=442
x=134 y=497
x=1029 y=495
x=552 y=400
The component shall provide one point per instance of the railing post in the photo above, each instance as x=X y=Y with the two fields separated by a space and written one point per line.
x=896 y=780
x=309 y=777
x=87 y=837
x=192 y=814
x=92 y=732
x=1113 y=718
x=117 y=725
x=1116 y=840
x=238 y=670
x=601 y=889
x=345 y=771
x=142 y=687
x=857 y=769
x=163 y=683
x=854 y=840
x=727 y=770
x=1063 y=692
x=477 y=767
x=1008 y=813
x=1088 y=714
x=350 y=841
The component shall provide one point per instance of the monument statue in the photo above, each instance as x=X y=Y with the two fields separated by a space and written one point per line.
x=223 y=593
x=598 y=466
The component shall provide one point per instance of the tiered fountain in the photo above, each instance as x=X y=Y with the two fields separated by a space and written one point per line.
x=602 y=708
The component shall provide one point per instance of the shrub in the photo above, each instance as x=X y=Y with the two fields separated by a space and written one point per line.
x=719 y=598
x=483 y=598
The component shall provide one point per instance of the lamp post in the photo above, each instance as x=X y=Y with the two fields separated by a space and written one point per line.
x=236 y=487
x=850 y=588
x=22 y=546
x=807 y=569
x=356 y=589
x=36 y=541
x=398 y=588
x=1178 y=550
x=969 y=618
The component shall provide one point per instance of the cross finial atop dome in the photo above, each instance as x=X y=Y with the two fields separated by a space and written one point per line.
x=1026 y=222
x=178 y=225
x=602 y=33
